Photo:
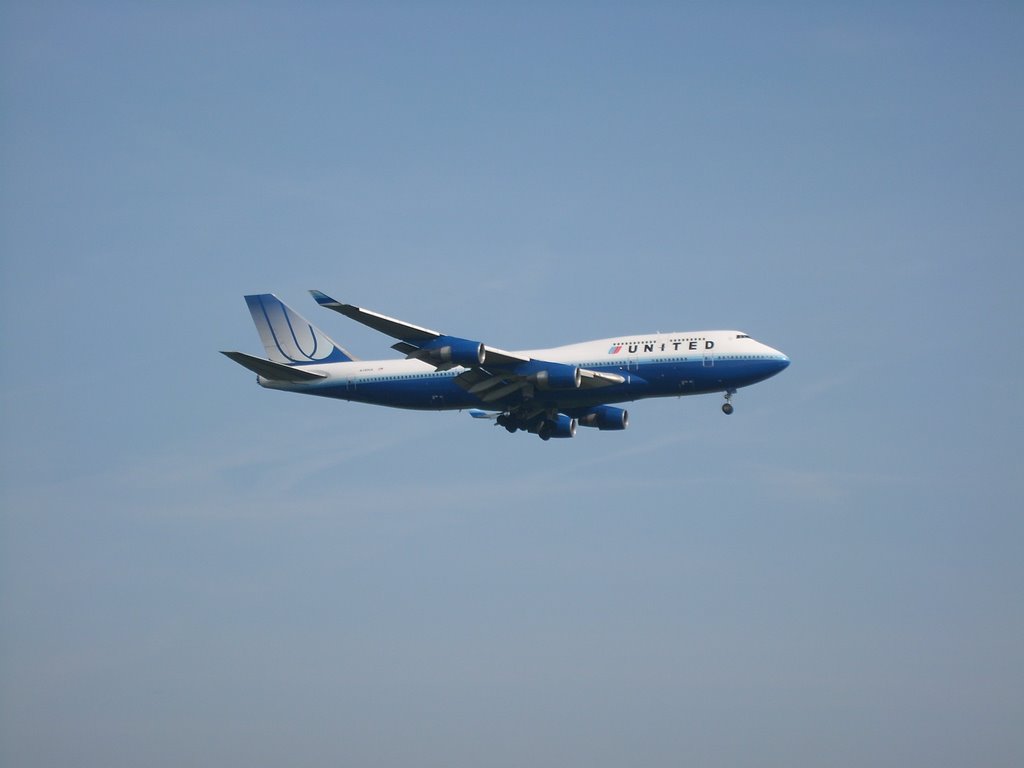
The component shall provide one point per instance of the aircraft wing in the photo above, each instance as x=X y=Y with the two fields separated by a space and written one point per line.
x=422 y=343
x=396 y=328
x=493 y=373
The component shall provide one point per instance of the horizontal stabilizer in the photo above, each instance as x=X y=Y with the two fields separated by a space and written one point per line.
x=268 y=369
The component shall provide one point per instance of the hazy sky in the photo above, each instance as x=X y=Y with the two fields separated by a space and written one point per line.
x=196 y=571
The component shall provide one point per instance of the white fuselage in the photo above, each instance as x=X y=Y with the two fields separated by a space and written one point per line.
x=651 y=365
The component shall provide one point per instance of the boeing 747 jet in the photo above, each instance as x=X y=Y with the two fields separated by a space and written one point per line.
x=547 y=392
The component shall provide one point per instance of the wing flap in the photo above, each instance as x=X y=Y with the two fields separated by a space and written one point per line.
x=496 y=394
x=483 y=386
x=405 y=348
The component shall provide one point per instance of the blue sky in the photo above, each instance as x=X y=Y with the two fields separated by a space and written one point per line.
x=195 y=570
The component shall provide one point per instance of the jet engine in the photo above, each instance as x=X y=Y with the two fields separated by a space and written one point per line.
x=557 y=376
x=605 y=417
x=450 y=351
x=562 y=426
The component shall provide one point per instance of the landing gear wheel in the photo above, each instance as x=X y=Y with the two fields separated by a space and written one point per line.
x=545 y=431
x=727 y=405
x=510 y=427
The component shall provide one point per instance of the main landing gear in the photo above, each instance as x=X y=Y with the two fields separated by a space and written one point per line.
x=727 y=405
x=506 y=421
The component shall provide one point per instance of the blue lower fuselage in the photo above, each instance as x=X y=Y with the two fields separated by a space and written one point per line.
x=439 y=390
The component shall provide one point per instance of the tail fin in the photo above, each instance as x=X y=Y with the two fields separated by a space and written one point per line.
x=288 y=337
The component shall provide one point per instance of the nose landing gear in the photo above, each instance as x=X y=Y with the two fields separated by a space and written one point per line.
x=727 y=405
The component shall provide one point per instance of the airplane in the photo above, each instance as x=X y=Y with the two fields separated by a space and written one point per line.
x=547 y=392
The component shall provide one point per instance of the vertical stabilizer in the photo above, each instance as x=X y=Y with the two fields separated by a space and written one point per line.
x=288 y=337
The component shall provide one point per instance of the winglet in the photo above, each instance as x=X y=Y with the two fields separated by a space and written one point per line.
x=323 y=299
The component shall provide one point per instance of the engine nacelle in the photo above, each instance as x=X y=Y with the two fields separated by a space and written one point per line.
x=562 y=426
x=557 y=376
x=605 y=417
x=448 y=350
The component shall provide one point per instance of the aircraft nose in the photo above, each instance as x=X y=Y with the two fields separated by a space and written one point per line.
x=779 y=359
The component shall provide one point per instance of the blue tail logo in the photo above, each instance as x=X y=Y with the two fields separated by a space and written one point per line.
x=288 y=337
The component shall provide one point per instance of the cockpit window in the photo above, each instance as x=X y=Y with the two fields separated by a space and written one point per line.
x=743 y=336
